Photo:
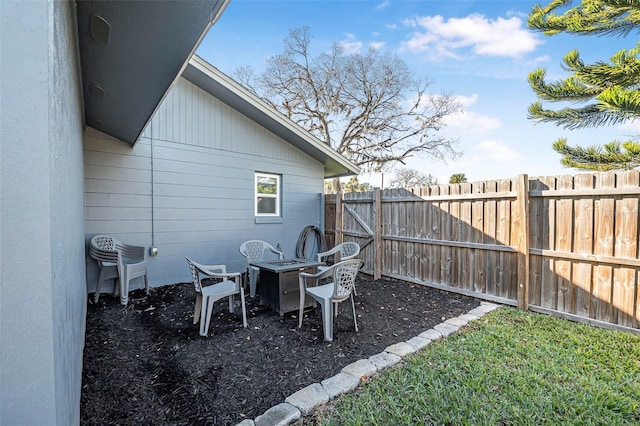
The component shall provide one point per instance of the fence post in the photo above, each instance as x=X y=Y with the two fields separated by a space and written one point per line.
x=523 y=235
x=377 y=234
x=339 y=224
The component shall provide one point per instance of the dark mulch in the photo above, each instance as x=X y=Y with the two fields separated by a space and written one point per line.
x=147 y=364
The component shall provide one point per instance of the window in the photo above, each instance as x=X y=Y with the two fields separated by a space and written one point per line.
x=267 y=195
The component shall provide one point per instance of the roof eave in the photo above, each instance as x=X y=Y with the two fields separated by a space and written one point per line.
x=132 y=52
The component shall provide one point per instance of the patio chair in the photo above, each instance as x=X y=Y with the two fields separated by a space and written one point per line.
x=254 y=251
x=329 y=295
x=206 y=296
x=344 y=251
x=119 y=261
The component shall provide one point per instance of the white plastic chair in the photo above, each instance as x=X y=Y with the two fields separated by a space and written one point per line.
x=206 y=296
x=329 y=295
x=254 y=250
x=344 y=251
x=119 y=261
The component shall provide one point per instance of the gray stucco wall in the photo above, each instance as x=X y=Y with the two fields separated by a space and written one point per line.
x=42 y=286
x=205 y=155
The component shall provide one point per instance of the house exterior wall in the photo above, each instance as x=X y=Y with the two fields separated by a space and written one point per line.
x=205 y=155
x=42 y=286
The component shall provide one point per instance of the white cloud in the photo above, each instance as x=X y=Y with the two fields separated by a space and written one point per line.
x=391 y=26
x=383 y=5
x=496 y=151
x=351 y=45
x=472 y=122
x=538 y=60
x=454 y=37
x=517 y=13
x=377 y=45
x=467 y=101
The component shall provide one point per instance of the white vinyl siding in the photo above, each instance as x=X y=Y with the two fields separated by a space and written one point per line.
x=203 y=181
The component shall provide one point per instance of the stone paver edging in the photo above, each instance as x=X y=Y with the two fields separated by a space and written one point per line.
x=306 y=400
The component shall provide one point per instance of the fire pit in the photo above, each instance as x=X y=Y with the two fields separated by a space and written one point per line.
x=287 y=262
x=278 y=286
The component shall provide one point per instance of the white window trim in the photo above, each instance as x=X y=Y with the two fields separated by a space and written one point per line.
x=277 y=196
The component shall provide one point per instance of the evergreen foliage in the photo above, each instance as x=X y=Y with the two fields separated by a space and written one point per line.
x=613 y=156
x=609 y=91
x=354 y=185
x=458 y=178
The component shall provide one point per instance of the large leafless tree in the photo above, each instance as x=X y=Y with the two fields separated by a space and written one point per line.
x=369 y=107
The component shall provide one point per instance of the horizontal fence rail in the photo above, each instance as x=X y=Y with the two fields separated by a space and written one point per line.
x=563 y=245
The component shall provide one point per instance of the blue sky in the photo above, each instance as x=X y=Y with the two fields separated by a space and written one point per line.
x=479 y=51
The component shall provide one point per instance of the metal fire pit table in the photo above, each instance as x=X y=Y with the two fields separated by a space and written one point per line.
x=278 y=286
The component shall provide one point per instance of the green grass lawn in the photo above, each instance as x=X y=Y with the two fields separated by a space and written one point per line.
x=507 y=368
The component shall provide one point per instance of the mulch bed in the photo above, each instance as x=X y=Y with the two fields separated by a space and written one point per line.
x=146 y=363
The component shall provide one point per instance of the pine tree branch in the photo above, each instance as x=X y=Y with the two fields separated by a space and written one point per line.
x=575 y=118
x=572 y=89
x=594 y=17
x=614 y=156
x=626 y=103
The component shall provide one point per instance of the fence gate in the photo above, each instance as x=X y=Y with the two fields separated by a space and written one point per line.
x=352 y=218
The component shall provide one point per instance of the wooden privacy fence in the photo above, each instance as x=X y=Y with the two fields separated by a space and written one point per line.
x=565 y=245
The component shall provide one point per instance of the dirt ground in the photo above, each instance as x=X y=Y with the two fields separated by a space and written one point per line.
x=146 y=363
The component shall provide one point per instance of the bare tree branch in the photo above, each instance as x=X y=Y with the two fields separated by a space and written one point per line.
x=368 y=107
